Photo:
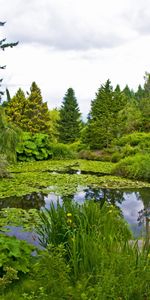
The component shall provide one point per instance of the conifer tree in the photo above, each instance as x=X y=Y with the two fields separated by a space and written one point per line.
x=69 y=123
x=128 y=93
x=3 y=46
x=15 y=108
x=103 y=118
x=140 y=93
x=35 y=114
x=31 y=113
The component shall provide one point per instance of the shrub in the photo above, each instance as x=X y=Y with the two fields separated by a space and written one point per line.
x=131 y=144
x=60 y=151
x=33 y=147
x=38 y=147
x=94 y=155
x=136 y=167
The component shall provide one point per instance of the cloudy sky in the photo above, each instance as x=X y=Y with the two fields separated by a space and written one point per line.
x=75 y=43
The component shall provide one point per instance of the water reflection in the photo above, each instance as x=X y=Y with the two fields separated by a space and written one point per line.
x=33 y=200
x=134 y=204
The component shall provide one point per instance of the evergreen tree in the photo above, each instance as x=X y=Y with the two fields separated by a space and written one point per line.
x=130 y=118
x=54 y=116
x=15 y=108
x=36 y=114
x=3 y=46
x=69 y=123
x=128 y=93
x=30 y=114
x=147 y=84
x=103 y=118
x=117 y=89
x=144 y=104
x=140 y=93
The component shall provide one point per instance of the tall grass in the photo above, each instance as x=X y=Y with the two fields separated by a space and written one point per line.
x=88 y=255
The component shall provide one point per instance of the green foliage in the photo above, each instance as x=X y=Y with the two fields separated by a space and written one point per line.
x=15 y=109
x=54 y=117
x=69 y=125
x=136 y=167
x=30 y=113
x=3 y=167
x=103 y=122
x=89 y=254
x=15 y=256
x=130 y=118
x=99 y=259
x=61 y=151
x=100 y=155
x=9 y=137
x=38 y=147
x=33 y=147
x=131 y=144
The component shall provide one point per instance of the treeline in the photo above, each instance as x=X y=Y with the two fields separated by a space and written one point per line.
x=113 y=113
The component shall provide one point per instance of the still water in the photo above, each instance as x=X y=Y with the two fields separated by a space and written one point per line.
x=134 y=204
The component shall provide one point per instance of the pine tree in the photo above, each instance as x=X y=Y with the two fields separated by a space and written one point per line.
x=69 y=123
x=103 y=118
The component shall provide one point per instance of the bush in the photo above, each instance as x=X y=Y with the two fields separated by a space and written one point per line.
x=131 y=144
x=33 y=147
x=133 y=139
x=60 y=151
x=38 y=147
x=94 y=155
x=136 y=167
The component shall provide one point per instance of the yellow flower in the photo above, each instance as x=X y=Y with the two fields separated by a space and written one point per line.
x=69 y=215
x=69 y=221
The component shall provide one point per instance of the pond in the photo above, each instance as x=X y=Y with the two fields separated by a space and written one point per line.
x=133 y=203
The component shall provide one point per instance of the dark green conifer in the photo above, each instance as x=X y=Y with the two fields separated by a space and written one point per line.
x=69 y=123
x=103 y=124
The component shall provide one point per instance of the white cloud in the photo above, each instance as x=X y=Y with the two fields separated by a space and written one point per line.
x=78 y=43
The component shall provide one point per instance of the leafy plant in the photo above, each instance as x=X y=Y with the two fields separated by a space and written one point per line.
x=33 y=147
x=15 y=254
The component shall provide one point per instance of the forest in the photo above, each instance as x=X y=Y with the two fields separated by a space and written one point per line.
x=74 y=249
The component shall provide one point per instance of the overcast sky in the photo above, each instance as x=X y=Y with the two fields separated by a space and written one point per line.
x=75 y=43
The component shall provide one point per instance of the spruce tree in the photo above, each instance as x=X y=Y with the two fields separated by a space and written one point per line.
x=103 y=123
x=69 y=123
